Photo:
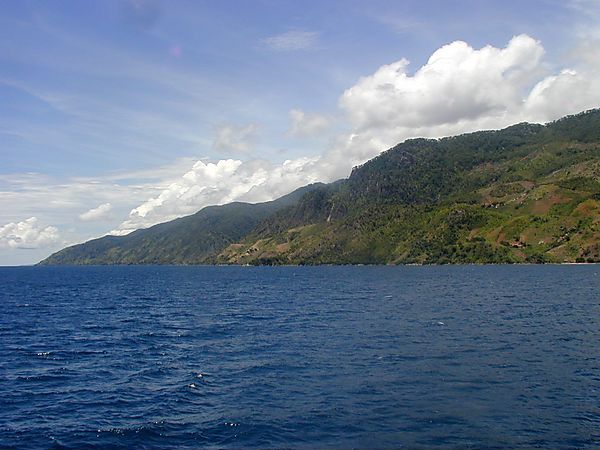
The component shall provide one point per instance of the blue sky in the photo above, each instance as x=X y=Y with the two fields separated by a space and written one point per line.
x=115 y=115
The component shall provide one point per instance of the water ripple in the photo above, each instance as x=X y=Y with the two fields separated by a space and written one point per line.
x=300 y=357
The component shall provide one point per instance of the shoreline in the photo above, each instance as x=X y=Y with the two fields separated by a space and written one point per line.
x=313 y=265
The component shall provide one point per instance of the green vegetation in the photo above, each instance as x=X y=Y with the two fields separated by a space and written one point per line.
x=525 y=194
x=189 y=240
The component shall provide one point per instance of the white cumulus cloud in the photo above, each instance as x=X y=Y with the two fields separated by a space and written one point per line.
x=100 y=212
x=27 y=234
x=457 y=83
x=461 y=89
x=568 y=92
x=307 y=125
x=219 y=183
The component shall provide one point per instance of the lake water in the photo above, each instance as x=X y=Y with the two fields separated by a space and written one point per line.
x=300 y=357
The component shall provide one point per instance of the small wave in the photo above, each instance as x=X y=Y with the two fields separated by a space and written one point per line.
x=43 y=378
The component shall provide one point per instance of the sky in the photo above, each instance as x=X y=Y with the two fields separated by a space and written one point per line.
x=119 y=114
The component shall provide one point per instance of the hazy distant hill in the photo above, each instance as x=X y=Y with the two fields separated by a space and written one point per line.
x=528 y=193
x=188 y=240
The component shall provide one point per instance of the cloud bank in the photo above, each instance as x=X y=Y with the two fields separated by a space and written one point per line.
x=457 y=83
x=219 y=183
x=100 y=212
x=464 y=89
x=27 y=234
x=460 y=89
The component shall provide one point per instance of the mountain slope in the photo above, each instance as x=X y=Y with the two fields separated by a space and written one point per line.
x=528 y=193
x=188 y=240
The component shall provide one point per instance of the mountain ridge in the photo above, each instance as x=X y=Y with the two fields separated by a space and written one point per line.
x=526 y=193
x=186 y=240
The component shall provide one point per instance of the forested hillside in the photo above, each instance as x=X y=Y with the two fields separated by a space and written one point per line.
x=528 y=193
x=188 y=240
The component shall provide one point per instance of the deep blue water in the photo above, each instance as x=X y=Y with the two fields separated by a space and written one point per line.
x=300 y=357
